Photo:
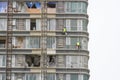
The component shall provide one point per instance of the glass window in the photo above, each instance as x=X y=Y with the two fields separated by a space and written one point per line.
x=80 y=77
x=38 y=24
x=67 y=76
x=75 y=7
x=73 y=24
x=3 y=77
x=84 y=24
x=51 y=24
x=84 y=43
x=84 y=7
x=85 y=77
x=33 y=42
x=2 y=60
x=32 y=77
x=3 y=24
x=51 y=42
x=74 y=77
x=72 y=61
x=51 y=77
x=73 y=41
x=3 y=7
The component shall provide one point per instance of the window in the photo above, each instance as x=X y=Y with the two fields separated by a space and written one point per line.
x=33 y=42
x=3 y=24
x=74 y=77
x=51 y=60
x=67 y=76
x=2 y=77
x=51 y=4
x=76 y=24
x=85 y=77
x=33 y=24
x=51 y=42
x=60 y=76
x=2 y=60
x=32 y=77
x=72 y=61
x=32 y=60
x=3 y=7
x=84 y=43
x=51 y=76
x=2 y=43
x=51 y=24
x=19 y=76
x=71 y=42
x=68 y=42
x=84 y=25
x=75 y=7
x=80 y=77
x=73 y=24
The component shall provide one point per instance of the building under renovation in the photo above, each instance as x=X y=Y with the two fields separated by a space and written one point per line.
x=44 y=40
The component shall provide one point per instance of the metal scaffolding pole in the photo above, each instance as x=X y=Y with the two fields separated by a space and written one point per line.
x=9 y=39
x=43 y=40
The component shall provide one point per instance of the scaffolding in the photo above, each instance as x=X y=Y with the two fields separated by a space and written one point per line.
x=9 y=39
x=43 y=40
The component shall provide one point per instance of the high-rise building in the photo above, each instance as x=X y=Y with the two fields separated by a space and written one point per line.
x=67 y=40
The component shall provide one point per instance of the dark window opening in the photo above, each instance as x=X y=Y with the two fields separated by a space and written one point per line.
x=51 y=60
x=36 y=61
x=33 y=24
x=33 y=60
x=51 y=4
x=28 y=60
x=2 y=43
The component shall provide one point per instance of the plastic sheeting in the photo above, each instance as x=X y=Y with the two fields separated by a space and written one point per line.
x=3 y=6
x=33 y=4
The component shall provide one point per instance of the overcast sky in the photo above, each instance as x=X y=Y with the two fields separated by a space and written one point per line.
x=104 y=45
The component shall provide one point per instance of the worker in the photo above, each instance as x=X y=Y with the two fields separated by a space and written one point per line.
x=64 y=31
x=78 y=45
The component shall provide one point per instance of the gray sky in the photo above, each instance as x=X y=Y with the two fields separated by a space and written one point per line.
x=104 y=45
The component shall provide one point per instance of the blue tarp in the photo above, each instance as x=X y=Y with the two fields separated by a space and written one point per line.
x=38 y=4
x=31 y=4
x=3 y=6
